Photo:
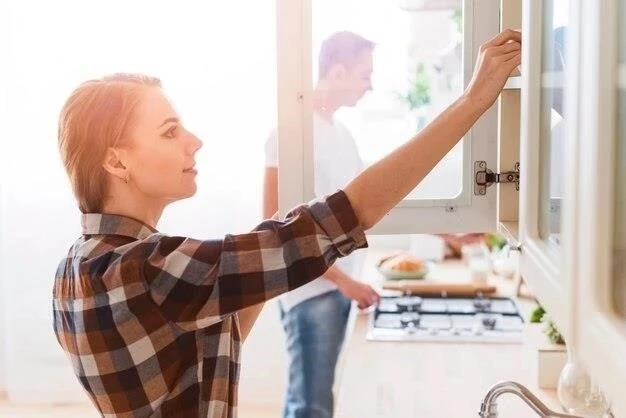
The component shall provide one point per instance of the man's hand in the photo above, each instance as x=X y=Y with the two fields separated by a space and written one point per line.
x=363 y=294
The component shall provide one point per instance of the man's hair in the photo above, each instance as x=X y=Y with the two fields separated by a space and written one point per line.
x=342 y=48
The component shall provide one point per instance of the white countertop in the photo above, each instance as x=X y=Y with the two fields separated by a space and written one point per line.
x=424 y=379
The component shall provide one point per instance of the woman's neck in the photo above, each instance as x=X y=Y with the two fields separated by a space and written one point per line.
x=133 y=205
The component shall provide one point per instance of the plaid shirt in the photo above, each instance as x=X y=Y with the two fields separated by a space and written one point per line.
x=150 y=321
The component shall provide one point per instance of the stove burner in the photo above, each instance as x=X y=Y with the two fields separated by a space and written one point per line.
x=482 y=305
x=409 y=303
x=410 y=319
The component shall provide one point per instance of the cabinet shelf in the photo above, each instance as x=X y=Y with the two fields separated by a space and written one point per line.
x=554 y=80
x=514 y=82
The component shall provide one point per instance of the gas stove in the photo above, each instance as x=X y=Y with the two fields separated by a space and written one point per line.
x=480 y=319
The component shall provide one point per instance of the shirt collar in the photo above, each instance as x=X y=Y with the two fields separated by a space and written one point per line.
x=106 y=224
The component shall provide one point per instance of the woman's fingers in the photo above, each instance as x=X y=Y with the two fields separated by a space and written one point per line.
x=507 y=48
x=504 y=37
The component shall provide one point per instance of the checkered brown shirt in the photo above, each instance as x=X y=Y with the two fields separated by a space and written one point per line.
x=150 y=321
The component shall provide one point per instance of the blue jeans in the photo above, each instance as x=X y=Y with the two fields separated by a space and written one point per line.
x=315 y=331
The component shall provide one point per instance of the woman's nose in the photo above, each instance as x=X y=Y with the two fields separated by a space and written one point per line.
x=194 y=143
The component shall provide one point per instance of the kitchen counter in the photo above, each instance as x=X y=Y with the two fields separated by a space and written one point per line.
x=432 y=380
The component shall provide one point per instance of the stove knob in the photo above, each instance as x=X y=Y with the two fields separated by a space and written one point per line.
x=489 y=323
x=433 y=331
x=455 y=331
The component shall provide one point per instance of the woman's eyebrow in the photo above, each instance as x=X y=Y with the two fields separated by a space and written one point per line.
x=169 y=120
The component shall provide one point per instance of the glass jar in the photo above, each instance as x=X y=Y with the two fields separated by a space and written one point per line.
x=578 y=394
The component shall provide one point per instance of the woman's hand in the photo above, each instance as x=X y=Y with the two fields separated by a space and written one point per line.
x=497 y=58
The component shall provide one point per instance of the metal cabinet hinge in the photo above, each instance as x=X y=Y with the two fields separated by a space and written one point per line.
x=484 y=177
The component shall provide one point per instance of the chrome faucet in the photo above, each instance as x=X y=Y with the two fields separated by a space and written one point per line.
x=489 y=407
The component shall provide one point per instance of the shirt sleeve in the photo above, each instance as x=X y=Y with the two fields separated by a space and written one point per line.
x=197 y=283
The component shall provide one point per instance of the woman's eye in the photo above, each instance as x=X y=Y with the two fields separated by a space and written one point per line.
x=170 y=133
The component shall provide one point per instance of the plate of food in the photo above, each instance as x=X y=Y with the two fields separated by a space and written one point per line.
x=402 y=266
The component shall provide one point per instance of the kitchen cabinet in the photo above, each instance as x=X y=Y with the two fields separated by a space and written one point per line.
x=558 y=128
x=523 y=130
x=600 y=313
x=442 y=42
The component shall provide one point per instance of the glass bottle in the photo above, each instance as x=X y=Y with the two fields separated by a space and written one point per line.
x=578 y=394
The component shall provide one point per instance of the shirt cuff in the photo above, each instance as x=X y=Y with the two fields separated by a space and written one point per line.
x=335 y=215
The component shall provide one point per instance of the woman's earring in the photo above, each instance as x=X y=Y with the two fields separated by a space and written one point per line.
x=126 y=179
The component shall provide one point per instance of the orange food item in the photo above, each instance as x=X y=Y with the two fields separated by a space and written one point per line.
x=404 y=263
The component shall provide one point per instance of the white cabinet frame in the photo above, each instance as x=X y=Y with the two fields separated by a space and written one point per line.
x=465 y=213
x=601 y=336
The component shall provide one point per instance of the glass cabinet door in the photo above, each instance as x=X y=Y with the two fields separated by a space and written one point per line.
x=389 y=69
x=552 y=120
x=358 y=78
x=543 y=152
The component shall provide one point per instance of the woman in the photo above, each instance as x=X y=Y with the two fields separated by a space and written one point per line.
x=153 y=324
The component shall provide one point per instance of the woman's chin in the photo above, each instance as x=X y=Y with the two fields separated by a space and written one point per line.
x=184 y=194
x=190 y=193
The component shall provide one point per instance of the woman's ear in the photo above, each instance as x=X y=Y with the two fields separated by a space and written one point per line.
x=114 y=165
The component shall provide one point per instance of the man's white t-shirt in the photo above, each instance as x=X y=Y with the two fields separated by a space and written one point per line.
x=336 y=162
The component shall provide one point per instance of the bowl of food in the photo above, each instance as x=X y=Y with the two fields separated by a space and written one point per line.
x=402 y=266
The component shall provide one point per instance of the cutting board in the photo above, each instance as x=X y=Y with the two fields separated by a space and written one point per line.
x=437 y=287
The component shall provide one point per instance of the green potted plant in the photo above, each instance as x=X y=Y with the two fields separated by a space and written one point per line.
x=551 y=352
x=538 y=315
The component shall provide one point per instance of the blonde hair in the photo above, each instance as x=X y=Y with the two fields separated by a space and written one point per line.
x=94 y=118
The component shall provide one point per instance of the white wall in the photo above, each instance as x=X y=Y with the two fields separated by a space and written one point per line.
x=224 y=91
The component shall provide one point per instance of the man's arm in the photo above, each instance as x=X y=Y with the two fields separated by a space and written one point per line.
x=248 y=316
x=362 y=293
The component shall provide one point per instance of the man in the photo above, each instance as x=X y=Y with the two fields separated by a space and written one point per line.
x=314 y=316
